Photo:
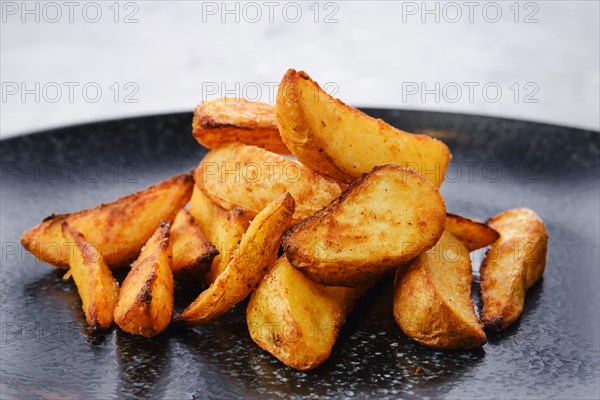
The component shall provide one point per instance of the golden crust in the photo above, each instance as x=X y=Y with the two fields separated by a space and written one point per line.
x=432 y=298
x=231 y=120
x=296 y=319
x=514 y=263
x=338 y=141
x=254 y=257
x=118 y=229
x=384 y=219
x=145 y=305
x=472 y=234
x=248 y=177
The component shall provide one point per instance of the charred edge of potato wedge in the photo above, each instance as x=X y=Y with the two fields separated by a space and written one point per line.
x=432 y=298
x=220 y=121
x=471 y=233
x=295 y=319
x=119 y=228
x=97 y=287
x=145 y=305
x=353 y=274
x=193 y=254
x=254 y=256
x=249 y=177
x=316 y=150
x=514 y=263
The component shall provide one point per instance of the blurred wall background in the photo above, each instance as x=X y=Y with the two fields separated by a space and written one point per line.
x=70 y=62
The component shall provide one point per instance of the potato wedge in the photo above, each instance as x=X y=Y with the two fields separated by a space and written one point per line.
x=296 y=319
x=515 y=262
x=118 y=229
x=384 y=219
x=233 y=120
x=251 y=261
x=145 y=305
x=472 y=234
x=192 y=252
x=249 y=177
x=224 y=229
x=97 y=287
x=432 y=298
x=340 y=142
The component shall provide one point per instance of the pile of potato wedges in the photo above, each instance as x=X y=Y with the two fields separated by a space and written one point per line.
x=301 y=206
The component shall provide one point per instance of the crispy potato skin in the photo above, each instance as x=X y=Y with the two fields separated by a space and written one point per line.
x=296 y=319
x=192 y=252
x=432 y=298
x=472 y=234
x=231 y=120
x=95 y=283
x=340 y=142
x=145 y=305
x=384 y=219
x=514 y=263
x=251 y=261
x=118 y=229
x=224 y=229
x=249 y=177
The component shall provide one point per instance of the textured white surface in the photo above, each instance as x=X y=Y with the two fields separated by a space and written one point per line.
x=372 y=56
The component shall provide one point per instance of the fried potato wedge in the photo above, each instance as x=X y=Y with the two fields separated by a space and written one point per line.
x=193 y=254
x=472 y=234
x=231 y=120
x=118 y=229
x=515 y=262
x=384 y=219
x=97 y=287
x=249 y=177
x=224 y=229
x=296 y=319
x=432 y=298
x=251 y=261
x=145 y=305
x=340 y=142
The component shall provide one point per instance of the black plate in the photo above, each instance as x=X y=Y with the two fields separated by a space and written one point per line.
x=498 y=164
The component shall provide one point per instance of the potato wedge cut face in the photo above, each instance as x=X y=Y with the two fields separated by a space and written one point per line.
x=340 y=142
x=232 y=120
x=515 y=262
x=296 y=319
x=251 y=261
x=118 y=229
x=97 y=287
x=432 y=298
x=472 y=234
x=145 y=305
x=249 y=177
x=192 y=252
x=224 y=229
x=382 y=220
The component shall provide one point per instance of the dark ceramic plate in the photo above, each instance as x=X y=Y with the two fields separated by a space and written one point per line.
x=553 y=351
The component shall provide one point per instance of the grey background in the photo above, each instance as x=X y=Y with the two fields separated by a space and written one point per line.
x=169 y=56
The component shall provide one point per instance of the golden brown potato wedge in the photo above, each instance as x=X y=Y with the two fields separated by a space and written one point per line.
x=340 y=142
x=95 y=283
x=249 y=177
x=384 y=219
x=118 y=229
x=513 y=264
x=472 y=234
x=224 y=229
x=232 y=120
x=251 y=261
x=432 y=298
x=145 y=305
x=192 y=252
x=296 y=319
